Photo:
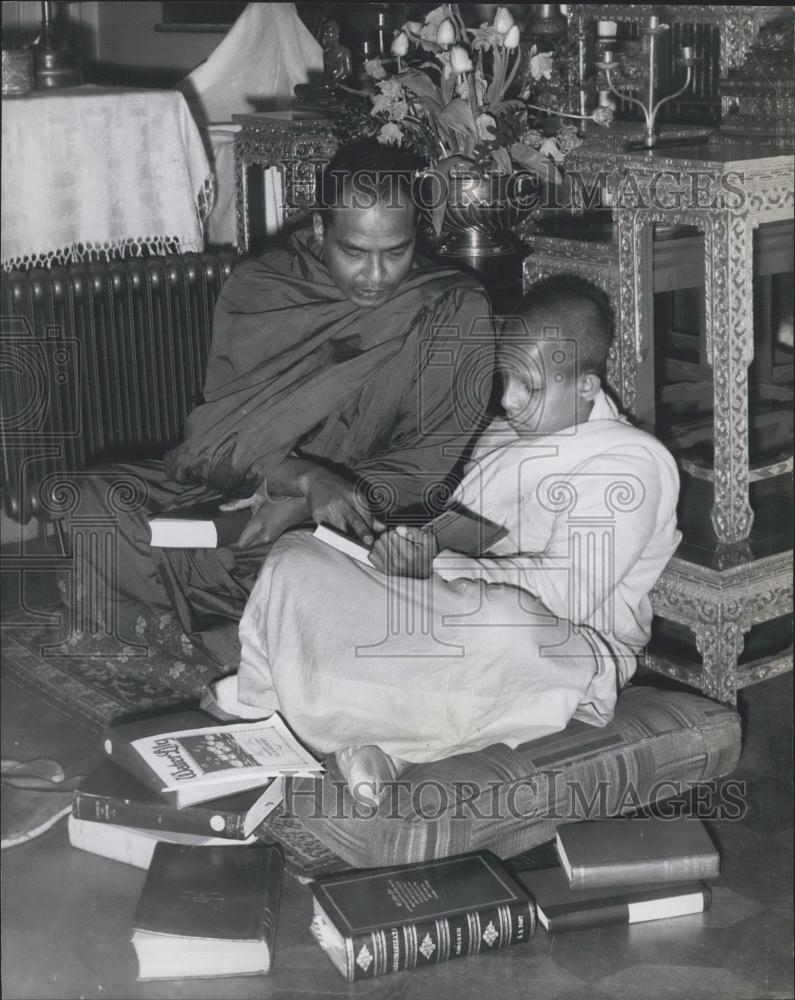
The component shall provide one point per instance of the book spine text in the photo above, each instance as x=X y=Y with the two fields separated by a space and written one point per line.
x=395 y=949
x=641 y=872
x=154 y=816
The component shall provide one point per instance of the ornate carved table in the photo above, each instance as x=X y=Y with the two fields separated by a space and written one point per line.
x=297 y=143
x=720 y=606
x=725 y=194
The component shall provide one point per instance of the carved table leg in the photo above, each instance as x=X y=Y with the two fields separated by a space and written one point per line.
x=720 y=645
x=241 y=203
x=729 y=291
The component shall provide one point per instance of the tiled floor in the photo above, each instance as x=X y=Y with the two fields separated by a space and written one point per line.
x=67 y=915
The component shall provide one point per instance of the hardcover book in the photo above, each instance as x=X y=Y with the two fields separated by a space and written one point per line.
x=110 y=795
x=390 y=919
x=561 y=908
x=457 y=529
x=634 y=851
x=131 y=846
x=199 y=526
x=208 y=911
x=186 y=761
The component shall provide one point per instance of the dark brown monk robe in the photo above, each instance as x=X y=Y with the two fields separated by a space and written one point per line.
x=395 y=394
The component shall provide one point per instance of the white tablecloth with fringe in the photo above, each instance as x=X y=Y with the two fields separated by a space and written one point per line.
x=93 y=171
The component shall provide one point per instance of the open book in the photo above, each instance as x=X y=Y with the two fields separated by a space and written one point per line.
x=457 y=529
x=189 y=763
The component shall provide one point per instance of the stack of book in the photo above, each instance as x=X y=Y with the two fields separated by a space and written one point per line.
x=624 y=871
x=414 y=916
x=182 y=799
x=179 y=780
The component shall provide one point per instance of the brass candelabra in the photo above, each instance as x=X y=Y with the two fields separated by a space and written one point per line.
x=651 y=107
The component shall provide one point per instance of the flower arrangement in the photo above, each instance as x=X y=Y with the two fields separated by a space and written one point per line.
x=452 y=105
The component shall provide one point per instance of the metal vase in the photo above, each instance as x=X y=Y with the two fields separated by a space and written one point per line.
x=482 y=211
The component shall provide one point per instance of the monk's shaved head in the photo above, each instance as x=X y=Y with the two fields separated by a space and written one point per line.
x=568 y=308
x=365 y=173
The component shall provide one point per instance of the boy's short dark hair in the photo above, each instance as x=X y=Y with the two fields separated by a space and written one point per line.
x=365 y=173
x=584 y=315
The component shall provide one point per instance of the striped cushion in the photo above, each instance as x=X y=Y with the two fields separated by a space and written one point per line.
x=656 y=746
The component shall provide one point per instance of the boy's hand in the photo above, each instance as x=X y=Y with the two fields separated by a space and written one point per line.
x=336 y=502
x=405 y=551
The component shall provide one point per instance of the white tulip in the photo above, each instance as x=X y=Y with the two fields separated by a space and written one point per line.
x=400 y=44
x=459 y=60
x=445 y=33
x=512 y=38
x=503 y=20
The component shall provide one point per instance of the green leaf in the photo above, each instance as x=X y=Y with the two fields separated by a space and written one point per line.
x=458 y=116
x=531 y=159
x=430 y=104
x=502 y=160
x=448 y=87
x=511 y=105
x=421 y=85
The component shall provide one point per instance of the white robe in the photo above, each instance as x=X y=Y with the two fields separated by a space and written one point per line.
x=505 y=648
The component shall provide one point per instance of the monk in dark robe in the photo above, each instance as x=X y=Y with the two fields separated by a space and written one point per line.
x=347 y=380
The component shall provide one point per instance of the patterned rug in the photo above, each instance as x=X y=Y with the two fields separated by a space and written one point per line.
x=96 y=683
x=97 y=680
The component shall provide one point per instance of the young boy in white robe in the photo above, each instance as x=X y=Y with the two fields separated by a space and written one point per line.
x=425 y=654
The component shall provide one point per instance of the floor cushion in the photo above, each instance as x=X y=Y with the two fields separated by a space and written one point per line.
x=658 y=744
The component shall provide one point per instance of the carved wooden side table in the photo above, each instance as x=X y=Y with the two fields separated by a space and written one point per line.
x=298 y=144
x=726 y=193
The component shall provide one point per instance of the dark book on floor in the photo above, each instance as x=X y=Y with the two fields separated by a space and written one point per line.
x=561 y=908
x=199 y=526
x=186 y=760
x=110 y=795
x=389 y=919
x=457 y=529
x=208 y=911
x=634 y=851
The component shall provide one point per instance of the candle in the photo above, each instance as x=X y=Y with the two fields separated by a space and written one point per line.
x=607 y=29
x=654 y=22
x=607 y=56
x=687 y=53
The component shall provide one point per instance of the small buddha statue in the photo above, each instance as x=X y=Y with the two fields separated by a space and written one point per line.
x=337 y=67
x=337 y=64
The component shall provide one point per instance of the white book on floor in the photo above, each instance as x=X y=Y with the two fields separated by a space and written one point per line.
x=135 y=847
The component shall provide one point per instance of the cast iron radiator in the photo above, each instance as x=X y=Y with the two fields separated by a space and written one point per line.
x=99 y=360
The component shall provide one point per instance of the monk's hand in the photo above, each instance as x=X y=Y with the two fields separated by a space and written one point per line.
x=405 y=551
x=335 y=501
x=268 y=522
